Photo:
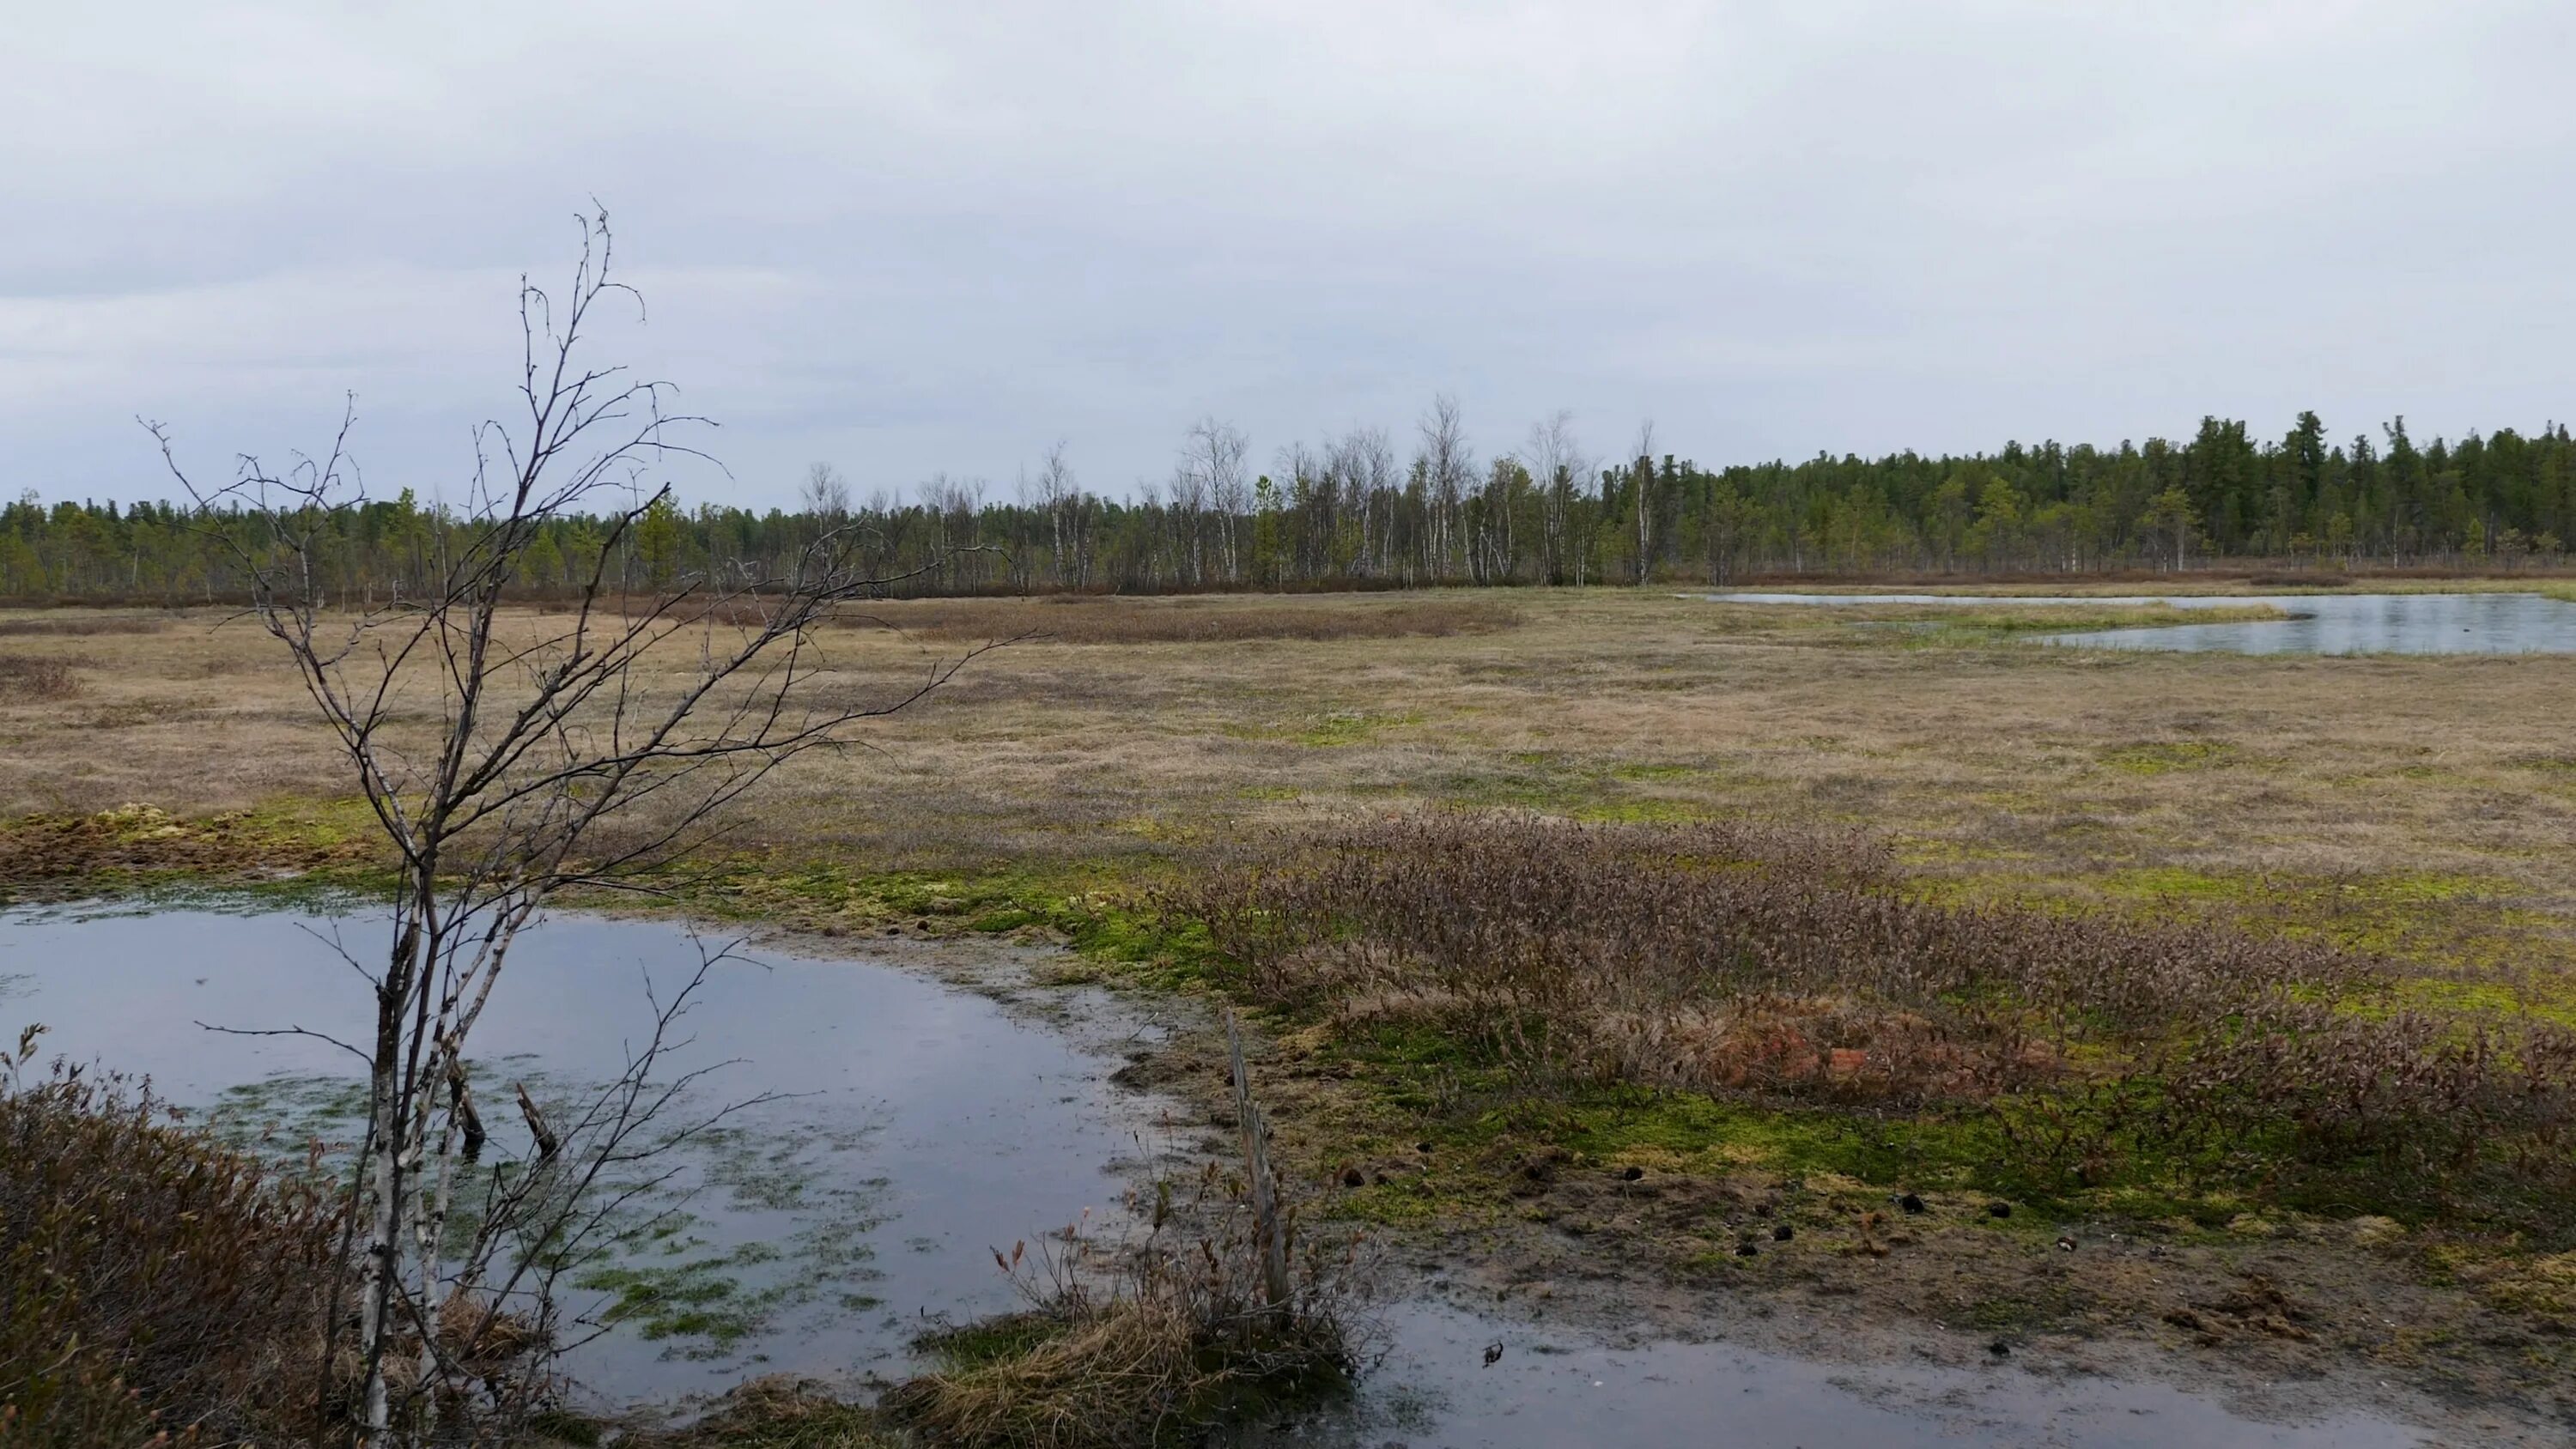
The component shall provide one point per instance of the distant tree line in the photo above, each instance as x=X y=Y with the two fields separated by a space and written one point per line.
x=1359 y=510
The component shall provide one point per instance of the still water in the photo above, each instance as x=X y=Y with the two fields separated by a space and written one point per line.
x=2321 y=623
x=918 y=1127
x=923 y=1127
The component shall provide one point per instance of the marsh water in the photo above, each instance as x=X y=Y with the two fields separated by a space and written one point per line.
x=916 y=1127
x=2485 y=623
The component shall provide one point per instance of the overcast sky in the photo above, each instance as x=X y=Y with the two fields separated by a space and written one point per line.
x=912 y=237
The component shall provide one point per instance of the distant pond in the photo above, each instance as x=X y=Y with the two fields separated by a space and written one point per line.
x=2320 y=623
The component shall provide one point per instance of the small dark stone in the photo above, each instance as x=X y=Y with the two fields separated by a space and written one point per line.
x=1910 y=1203
x=894 y=930
x=1999 y=1210
x=1422 y=1147
x=1632 y=1174
x=1782 y=1232
x=1352 y=1177
x=922 y=925
x=1999 y=1348
x=1746 y=1249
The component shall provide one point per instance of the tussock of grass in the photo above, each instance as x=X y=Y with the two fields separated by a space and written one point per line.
x=1178 y=1338
x=776 y=1412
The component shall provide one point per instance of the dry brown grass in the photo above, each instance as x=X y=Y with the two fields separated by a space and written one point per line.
x=80 y=624
x=2416 y=805
x=1113 y=619
x=1148 y=1342
x=36 y=677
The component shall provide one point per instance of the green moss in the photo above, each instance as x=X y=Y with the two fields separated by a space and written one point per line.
x=1656 y=772
x=2161 y=757
x=1330 y=730
x=2176 y=882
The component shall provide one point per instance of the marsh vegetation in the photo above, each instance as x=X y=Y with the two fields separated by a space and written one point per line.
x=1789 y=913
x=1683 y=932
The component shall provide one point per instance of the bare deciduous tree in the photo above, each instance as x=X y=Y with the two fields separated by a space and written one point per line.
x=1557 y=465
x=508 y=757
x=825 y=495
x=1210 y=477
x=1448 y=471
x=1642 y=475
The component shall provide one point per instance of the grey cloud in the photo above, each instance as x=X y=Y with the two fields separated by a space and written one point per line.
x=919 y=237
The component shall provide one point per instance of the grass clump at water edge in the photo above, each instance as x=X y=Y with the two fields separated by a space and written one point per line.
x=1149 y=1343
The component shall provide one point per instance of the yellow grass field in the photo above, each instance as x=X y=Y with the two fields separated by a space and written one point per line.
x=2420 y=805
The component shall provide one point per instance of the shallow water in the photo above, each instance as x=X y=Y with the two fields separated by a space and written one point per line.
x=926 y=1126
x=2324 y=623
x=934 y=1126
x=1550 y=1389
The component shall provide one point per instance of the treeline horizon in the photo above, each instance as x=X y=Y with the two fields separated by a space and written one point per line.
x=1356 y=511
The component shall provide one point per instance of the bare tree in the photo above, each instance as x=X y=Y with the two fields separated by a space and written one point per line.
x=1557 y=465
x=1059 y=495
x=507 y=757
x=1642 y=474
x=825 y=495
x=1448 y=471
x=1210 y=476
x=956 y=509
x=1363 y=462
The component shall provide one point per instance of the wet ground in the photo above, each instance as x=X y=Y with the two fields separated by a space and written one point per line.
x=926 y=1125
x=2484 y=623
x=1553 y=1388
x=921 y=1126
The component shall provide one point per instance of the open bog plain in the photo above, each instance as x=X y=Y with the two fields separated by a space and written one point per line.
x=1872 y=977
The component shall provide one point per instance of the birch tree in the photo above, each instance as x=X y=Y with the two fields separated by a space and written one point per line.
x=508 y=756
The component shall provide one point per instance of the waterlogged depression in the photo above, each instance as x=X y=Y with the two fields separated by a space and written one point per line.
x=914 y=1128
x=2483 y=623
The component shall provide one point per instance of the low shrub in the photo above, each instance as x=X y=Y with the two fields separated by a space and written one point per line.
x=79 y=624
x=153 y=1281
x=1792 y=965
x=36 y=676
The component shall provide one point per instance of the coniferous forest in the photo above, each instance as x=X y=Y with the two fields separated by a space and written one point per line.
x=1366 y=509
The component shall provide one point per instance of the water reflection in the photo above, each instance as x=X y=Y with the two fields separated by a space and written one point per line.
x=2321 y=623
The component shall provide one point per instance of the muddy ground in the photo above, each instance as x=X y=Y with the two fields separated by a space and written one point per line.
x=2280 y=1320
